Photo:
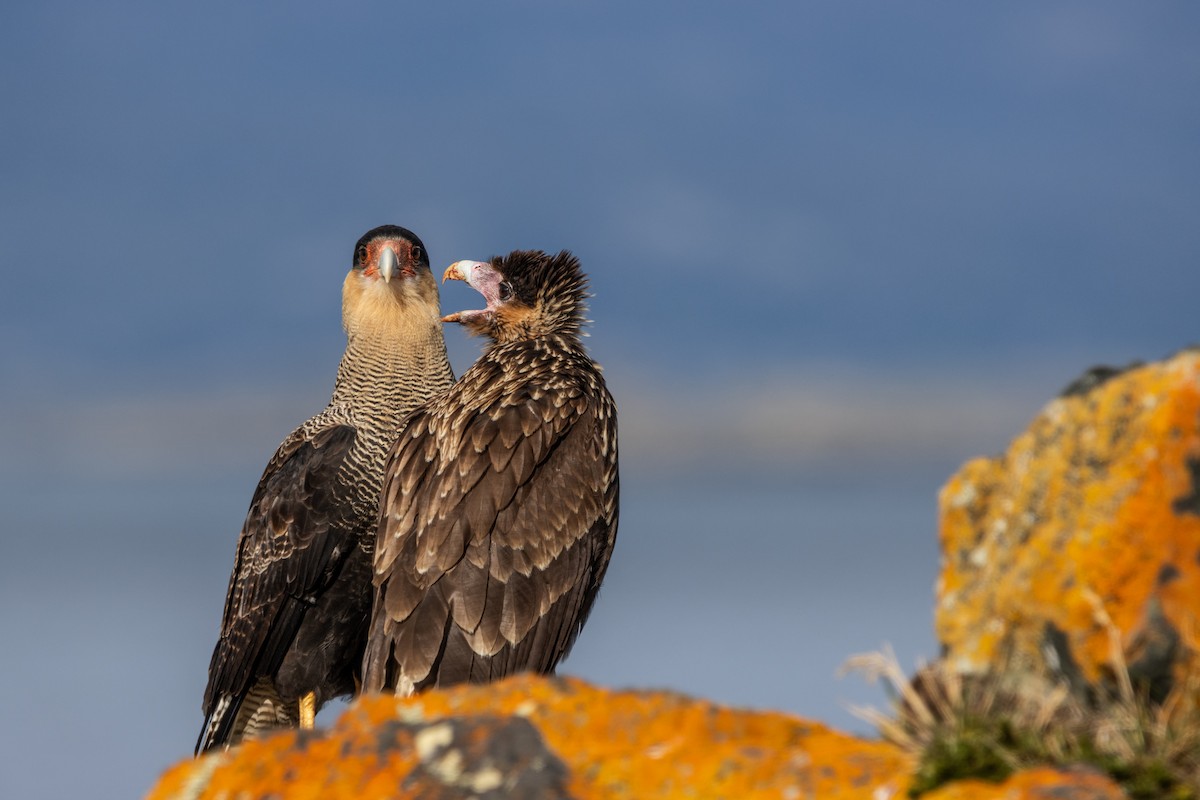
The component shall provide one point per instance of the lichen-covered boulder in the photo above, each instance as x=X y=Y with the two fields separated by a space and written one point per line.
x=1041 y=783
x=1079 y=548
x=534 y=737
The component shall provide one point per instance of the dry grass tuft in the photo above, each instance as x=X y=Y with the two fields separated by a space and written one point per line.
x=990 y=725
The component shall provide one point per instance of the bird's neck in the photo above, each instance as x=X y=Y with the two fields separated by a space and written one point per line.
x=391 y=365
x=553 y=342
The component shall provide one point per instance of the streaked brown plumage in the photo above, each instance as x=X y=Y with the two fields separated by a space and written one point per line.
x=299 y=597
x=499 y=507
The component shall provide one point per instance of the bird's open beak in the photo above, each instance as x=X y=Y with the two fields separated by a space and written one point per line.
x=459 y=271
x=387 y=264
x=476 y=274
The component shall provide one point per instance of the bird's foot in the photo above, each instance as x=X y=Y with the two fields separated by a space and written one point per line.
x=308 y=711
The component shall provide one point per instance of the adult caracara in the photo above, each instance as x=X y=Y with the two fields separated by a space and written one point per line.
x=299 y=599
x=499 y=508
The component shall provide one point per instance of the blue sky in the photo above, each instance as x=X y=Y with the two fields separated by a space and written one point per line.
x=837 y=249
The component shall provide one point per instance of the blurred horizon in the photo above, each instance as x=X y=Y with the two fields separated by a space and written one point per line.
x=837 y=250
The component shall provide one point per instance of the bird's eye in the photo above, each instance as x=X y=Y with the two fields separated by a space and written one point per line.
x=505 y=290
x=416 y=252
x=361 y=255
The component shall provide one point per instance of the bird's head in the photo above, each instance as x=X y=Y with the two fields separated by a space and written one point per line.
x=390 y=276
x=528 y=293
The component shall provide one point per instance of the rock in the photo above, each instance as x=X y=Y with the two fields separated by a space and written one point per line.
x=1042 y=783
x=1079 y=547
x=533 y=737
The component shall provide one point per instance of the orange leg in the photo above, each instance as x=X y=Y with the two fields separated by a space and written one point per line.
x=308 y=711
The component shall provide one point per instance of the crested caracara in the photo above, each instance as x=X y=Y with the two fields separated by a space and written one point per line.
x=499 y=506
x=299 y=598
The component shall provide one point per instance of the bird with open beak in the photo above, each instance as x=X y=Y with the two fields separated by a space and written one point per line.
x=499 y=507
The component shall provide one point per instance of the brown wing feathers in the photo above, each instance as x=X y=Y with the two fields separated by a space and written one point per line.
x=286 y=545
x=498 y=515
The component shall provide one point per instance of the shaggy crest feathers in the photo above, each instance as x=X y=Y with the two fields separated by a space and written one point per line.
x=554 y=286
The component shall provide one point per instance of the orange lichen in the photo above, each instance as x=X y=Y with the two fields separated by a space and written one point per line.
x=655 y=744
x=301 y=765
x=1090 y=523
x=613 y=744
x=1042 y=783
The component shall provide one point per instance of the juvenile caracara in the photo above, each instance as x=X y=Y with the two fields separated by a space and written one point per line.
x=299 y=599
x=499 y=508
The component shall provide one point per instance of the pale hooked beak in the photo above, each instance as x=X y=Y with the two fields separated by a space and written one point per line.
x=387 y=264
x=463 y=271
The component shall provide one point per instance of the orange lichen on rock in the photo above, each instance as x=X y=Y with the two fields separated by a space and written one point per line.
x=1042 y=783
x=398 y=757
x=1084 y=534
x=660 y=744
x=593 y=743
